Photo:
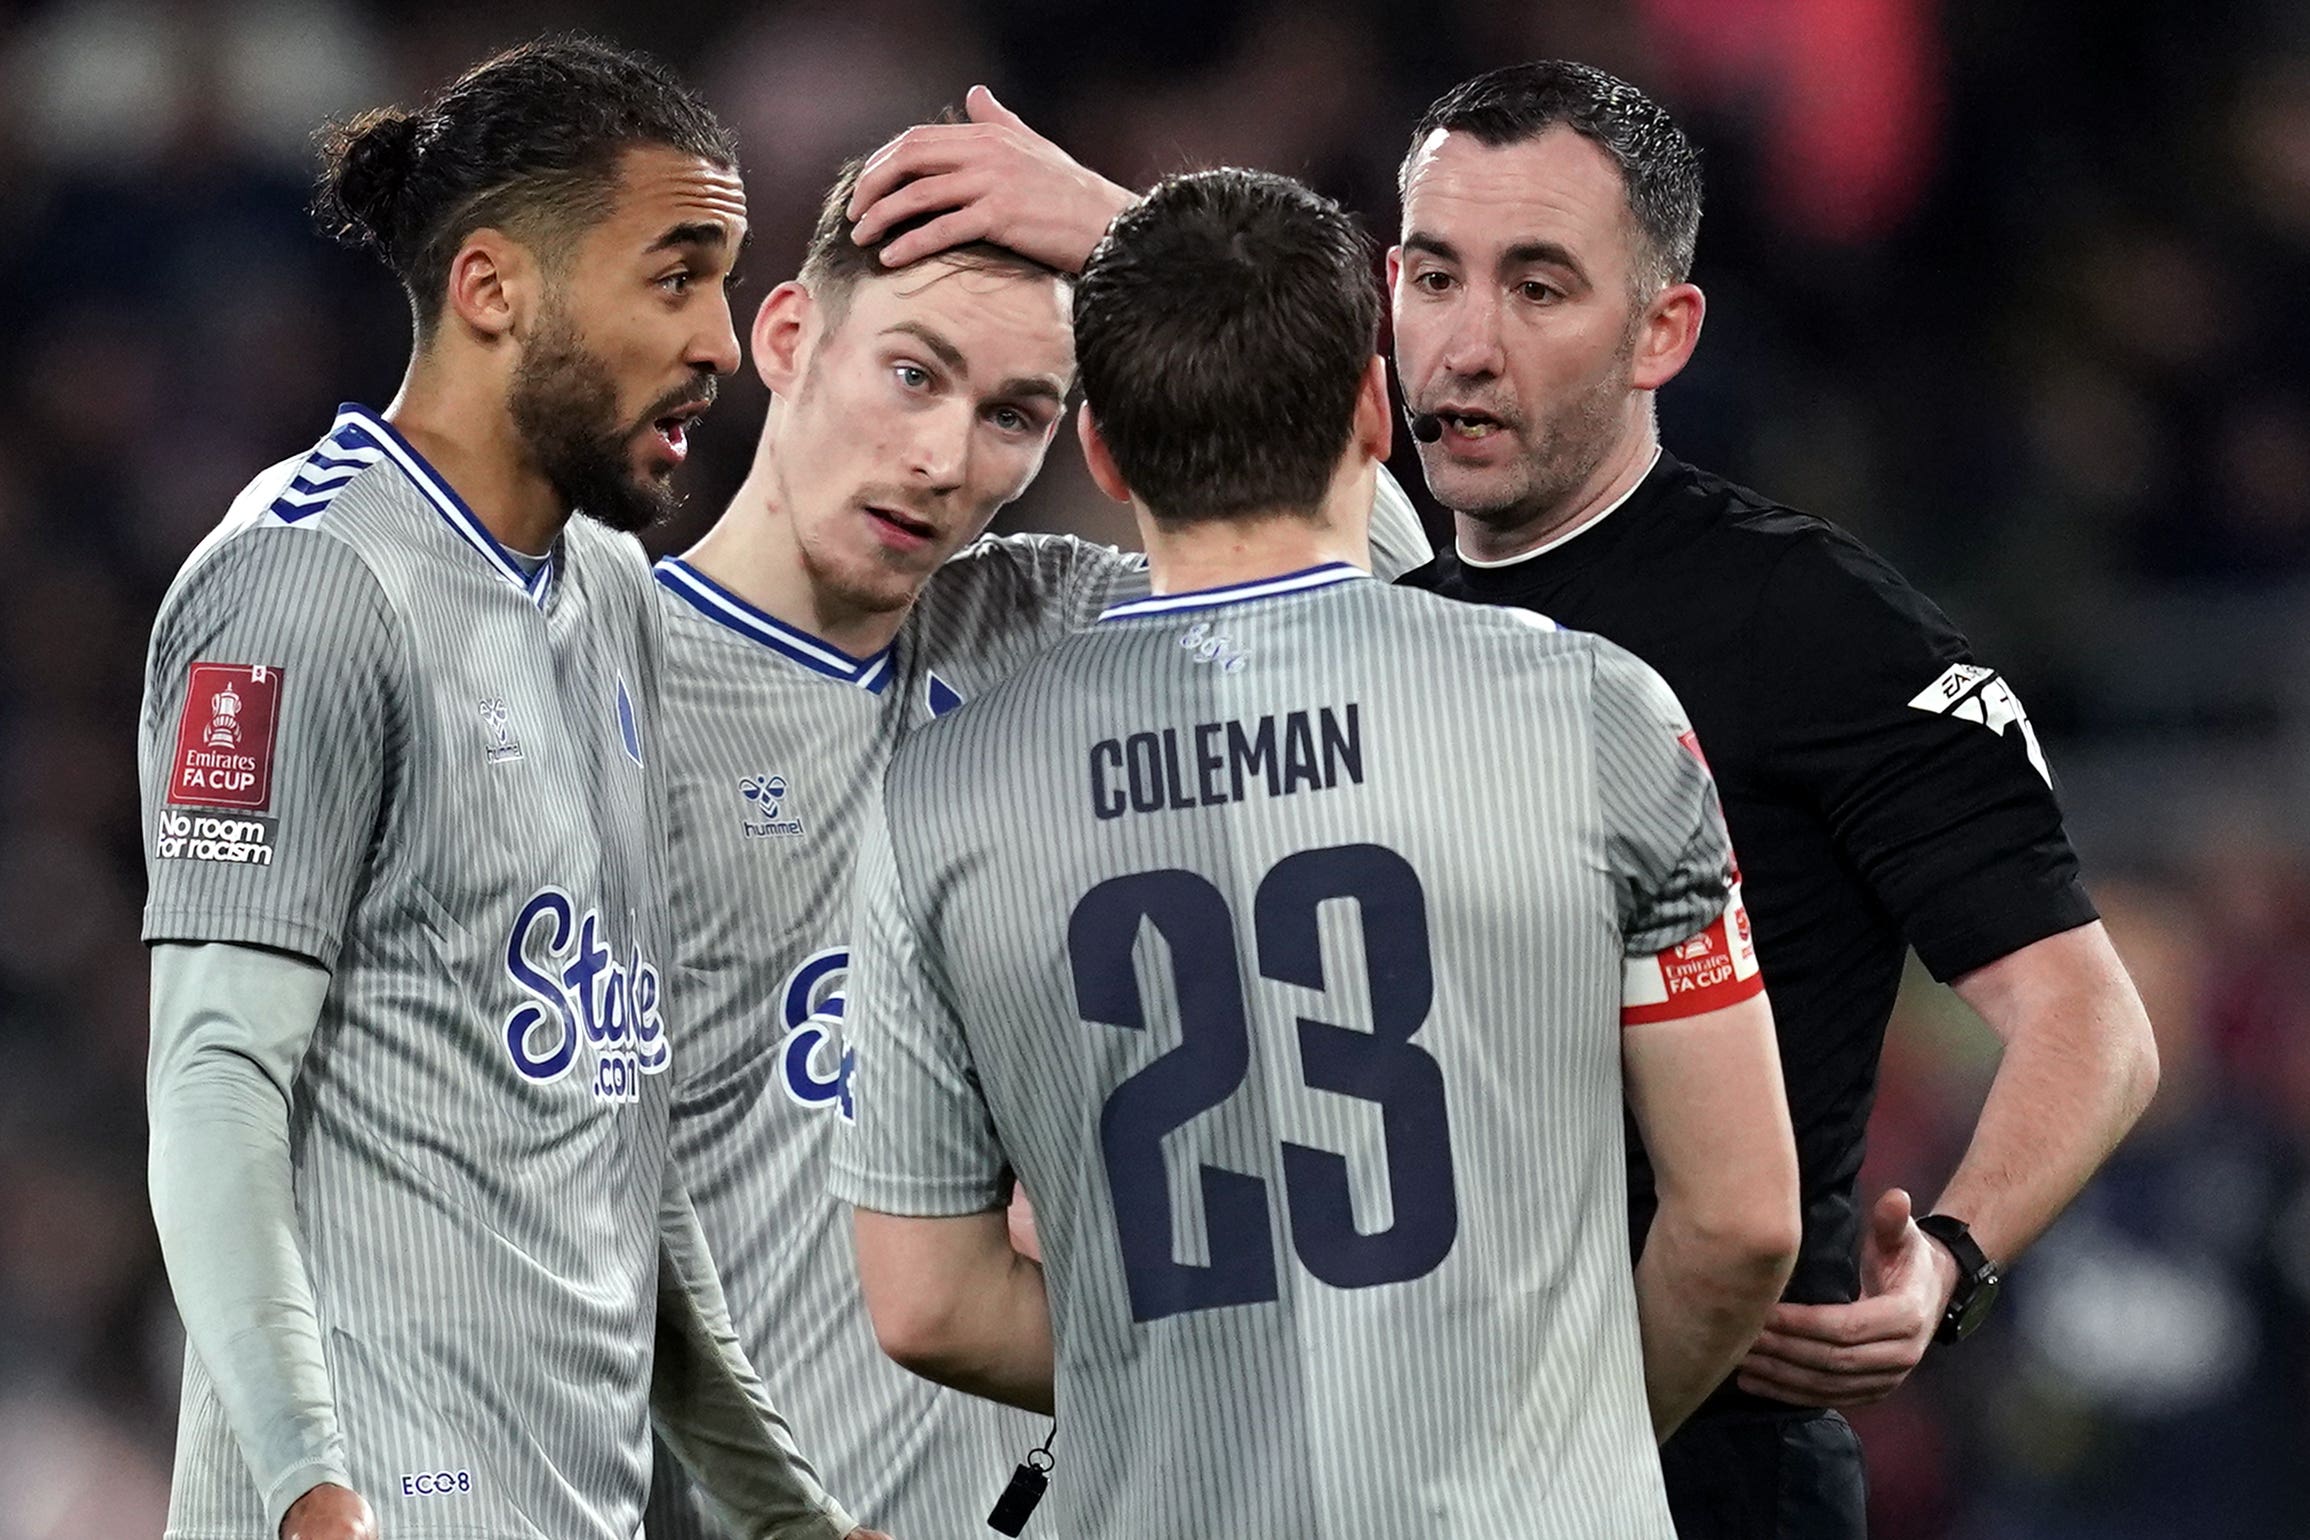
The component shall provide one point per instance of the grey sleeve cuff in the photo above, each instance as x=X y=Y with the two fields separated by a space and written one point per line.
x=282 y=1495
x=229 y=1028
x=192 y=927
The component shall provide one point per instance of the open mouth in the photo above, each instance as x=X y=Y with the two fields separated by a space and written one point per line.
x=1470 y=424
x=673 y=429
x=904 y=525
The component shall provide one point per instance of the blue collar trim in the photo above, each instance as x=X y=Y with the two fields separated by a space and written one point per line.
x=1308 y=578
x=359 y=428
x=726 y=609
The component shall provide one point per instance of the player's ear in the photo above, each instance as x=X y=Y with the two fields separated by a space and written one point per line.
x=1096 y=456
x=1667 y=335
x=781 y=336
x=1375 y=423
x=494 y=284
x=1395 y=266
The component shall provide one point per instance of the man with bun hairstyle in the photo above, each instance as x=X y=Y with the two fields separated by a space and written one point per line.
x=411 y=1031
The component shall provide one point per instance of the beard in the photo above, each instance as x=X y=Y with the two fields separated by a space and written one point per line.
x=564 y=405
x=1562 y=449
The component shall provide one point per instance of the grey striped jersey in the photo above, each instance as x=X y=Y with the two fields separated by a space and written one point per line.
x=1277 y=937
x=373 y=738
x=775 y=741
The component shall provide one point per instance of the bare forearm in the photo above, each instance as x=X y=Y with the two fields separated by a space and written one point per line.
x=999 y=1342
x=1700 y=1300
x=954 y=1303
x=2079 y=1067
x=1707 y=1096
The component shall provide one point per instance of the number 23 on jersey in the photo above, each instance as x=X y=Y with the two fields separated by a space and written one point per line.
x=1383 y=1066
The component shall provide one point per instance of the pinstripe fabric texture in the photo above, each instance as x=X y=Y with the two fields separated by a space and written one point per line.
x=466 y=826
x=774 y=741
x=1310 y=1053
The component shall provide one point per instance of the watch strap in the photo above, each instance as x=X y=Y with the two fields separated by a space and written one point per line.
x=1977 y=1278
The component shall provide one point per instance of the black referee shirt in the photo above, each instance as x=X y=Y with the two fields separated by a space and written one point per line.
x=1880 y=785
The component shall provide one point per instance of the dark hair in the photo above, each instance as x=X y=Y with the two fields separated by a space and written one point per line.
x=1658 y=167
x=1223 y=328
x=528 y=142
x=833 y=263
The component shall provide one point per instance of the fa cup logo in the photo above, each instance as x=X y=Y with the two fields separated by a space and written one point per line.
x=224 y=731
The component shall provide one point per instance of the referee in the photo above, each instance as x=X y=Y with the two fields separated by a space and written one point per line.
x=1881 y=785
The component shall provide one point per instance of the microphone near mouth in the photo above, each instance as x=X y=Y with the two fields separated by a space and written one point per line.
x=1427 y=427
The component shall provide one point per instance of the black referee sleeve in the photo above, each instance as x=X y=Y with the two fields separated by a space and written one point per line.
x=1920 y=759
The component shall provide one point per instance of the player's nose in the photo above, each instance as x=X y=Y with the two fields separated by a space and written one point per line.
x=714 y=345
x=1473 y=347
x=941 y=449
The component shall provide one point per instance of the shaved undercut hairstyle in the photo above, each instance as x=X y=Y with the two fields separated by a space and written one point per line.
x=834 y=263
x=528 y=142
x=1223 y=328
x=1659 y=171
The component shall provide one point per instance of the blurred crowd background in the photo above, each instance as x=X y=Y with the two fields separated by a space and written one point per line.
x=2021 y=293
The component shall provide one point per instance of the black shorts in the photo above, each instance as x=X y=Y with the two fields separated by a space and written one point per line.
x=1749 y=1475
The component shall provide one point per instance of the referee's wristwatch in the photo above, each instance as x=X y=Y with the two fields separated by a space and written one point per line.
x=1977 y=1278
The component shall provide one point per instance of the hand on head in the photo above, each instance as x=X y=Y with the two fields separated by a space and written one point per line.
x=990 y=178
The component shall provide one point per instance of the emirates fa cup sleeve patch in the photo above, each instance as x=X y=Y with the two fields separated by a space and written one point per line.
x=221 y=777
x=1703 y=973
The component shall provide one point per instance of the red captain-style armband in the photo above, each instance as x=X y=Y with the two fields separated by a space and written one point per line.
x=1706 y=972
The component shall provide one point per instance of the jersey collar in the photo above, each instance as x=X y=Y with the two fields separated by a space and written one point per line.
x=726 y=609
x=1460 y=554
x=1306 y=578
x=358 y=427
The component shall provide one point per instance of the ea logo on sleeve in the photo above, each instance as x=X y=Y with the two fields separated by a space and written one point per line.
x=814 y=1065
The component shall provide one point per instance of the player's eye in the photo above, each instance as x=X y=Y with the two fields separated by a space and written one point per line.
x=1011 y=420
x=911 y=376
x=1538 y=293
x=1434 y=280
x=677 y=282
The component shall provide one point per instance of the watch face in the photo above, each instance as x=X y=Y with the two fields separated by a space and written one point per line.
x=1976 y=1308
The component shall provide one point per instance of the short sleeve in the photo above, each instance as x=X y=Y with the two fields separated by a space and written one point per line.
x=1399 y=542
x=922 y=1142
x=264 y=743
x=1008 y=598
x=1102 y=577
x=1919 y=758
x=1672 y=861
x=1685 y=938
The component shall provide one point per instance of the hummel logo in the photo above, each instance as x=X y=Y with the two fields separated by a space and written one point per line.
x=1976 y=694
x=499 y=723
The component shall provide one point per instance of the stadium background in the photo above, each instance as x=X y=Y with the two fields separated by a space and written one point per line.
x=2017 y=292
